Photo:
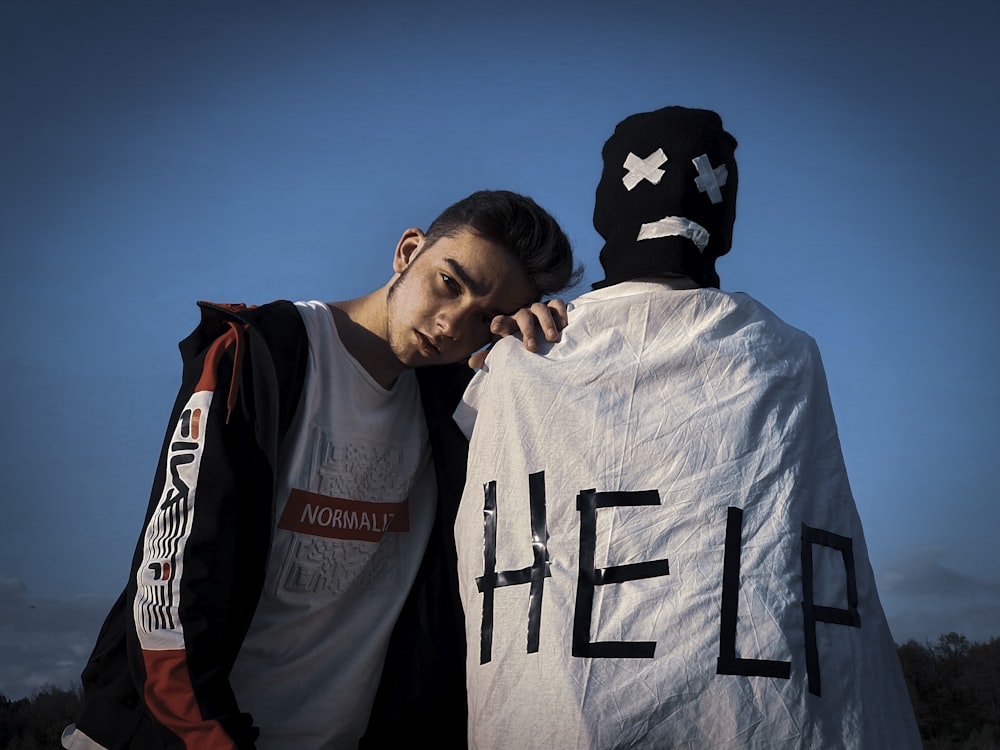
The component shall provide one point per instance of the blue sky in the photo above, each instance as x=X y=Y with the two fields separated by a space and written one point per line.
x=156 y=153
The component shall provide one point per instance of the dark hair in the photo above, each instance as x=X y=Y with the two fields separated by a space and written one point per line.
x=523 y=227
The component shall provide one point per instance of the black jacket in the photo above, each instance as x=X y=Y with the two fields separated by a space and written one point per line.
x=250 y=363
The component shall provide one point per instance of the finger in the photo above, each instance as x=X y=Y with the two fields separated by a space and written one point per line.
x=560 y=313
x=522 y=322
x=503 y=325
x=530 y=319
x=478 y=359
x=546 y=318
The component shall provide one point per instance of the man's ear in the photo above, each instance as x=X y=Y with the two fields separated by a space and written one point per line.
x=407 y=248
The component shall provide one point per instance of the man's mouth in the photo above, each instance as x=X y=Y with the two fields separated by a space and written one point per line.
x=427 y=346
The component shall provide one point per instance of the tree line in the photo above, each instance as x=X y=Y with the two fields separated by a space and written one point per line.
x=955 y=688
x=954 y=684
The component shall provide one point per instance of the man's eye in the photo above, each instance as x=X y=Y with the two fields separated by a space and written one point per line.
x=450 y=283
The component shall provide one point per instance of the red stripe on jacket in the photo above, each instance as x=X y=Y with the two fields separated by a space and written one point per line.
x=170 y=696
x=208 y=379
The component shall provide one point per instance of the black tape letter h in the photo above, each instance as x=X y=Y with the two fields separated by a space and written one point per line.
x=535 y=574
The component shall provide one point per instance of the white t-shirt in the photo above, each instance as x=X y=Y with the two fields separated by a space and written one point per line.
x=355 y=504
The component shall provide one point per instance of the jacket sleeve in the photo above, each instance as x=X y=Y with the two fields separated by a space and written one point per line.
x=200 y=562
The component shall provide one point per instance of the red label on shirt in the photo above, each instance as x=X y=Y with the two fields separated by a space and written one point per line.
x=338 y=518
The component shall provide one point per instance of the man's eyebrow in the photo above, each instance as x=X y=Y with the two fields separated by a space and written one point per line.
x=474 y=286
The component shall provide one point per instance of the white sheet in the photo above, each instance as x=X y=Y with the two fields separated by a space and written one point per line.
x=720 y=412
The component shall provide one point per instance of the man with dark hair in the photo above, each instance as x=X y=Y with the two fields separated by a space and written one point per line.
x=658 y=546
x=310 y=464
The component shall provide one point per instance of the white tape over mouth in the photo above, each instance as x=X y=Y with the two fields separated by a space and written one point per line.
x=675 y=226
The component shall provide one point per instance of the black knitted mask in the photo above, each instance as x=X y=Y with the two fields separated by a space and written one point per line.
x=666 y=201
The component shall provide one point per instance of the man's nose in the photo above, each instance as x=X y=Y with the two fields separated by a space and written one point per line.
x=449 y=323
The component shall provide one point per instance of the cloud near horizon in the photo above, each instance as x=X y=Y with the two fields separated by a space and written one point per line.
x=925 y=598
x=45 y=641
